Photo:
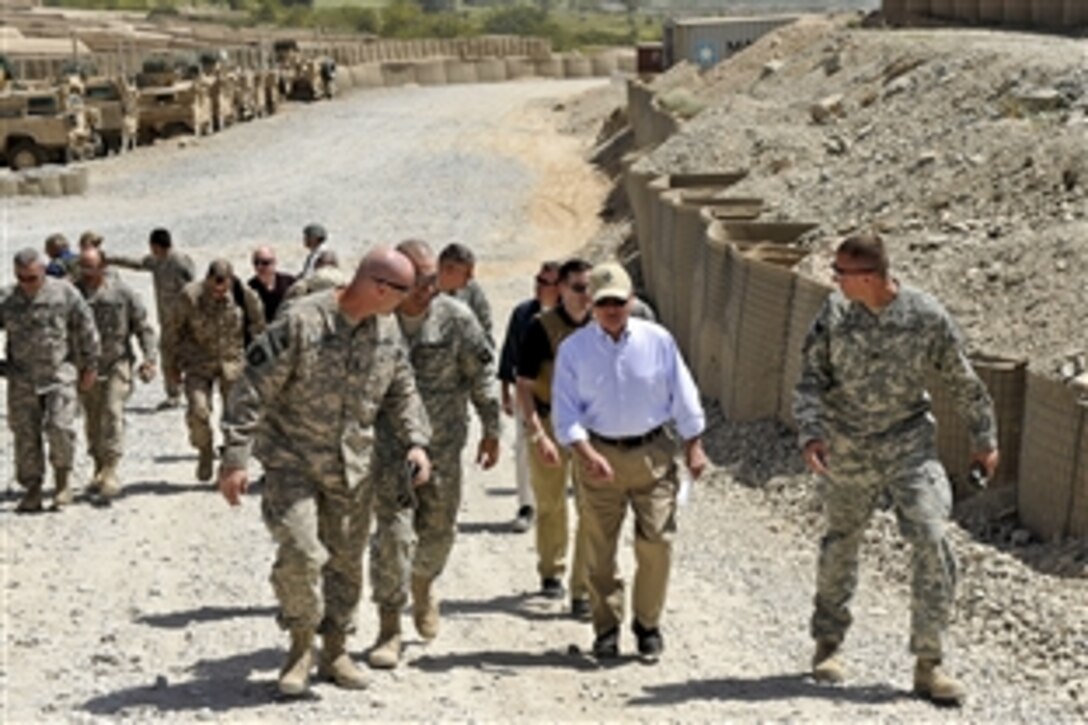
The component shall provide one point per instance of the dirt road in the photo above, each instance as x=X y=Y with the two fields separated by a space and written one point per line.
x=159 y=607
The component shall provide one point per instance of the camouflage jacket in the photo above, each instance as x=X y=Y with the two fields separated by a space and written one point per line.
x=170 y=274
x=473 y=295
x=864 y=374
x=50 y=336
x=119 y=315
x=453 y=363
x=210 y=334
x=312 y=387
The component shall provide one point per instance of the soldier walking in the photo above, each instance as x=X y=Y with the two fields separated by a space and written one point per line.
x=119 y=315
x=453 y=363
x=457 y=277
x=170 y=272
x=51 y=341
x=866 y=427
x=216 y=319
x=306 y=404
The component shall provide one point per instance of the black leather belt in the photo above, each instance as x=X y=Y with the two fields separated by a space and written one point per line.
x=632 y=441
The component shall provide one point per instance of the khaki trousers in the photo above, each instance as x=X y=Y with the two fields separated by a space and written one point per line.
x=646 y=479
x=552 y=534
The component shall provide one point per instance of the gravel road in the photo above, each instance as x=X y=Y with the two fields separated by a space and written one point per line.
x=159 y=607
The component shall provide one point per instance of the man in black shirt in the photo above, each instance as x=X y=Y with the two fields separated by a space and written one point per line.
x=270 y=285
x=546 y=295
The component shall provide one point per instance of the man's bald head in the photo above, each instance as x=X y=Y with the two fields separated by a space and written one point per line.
x=418 y=251
x=383 y=279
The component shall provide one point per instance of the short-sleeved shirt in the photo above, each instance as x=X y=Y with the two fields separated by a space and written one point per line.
x=271 y=298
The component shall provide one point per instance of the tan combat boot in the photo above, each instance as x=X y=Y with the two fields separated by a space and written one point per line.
x=424 y=607
x=31 y=502
x=96 y=480
x=62 y=495
x=204 y=466
x=295 y=675
x=932 y=682
x=826 y=666
x=336 y=664
x=385 y=654
x=109 y=484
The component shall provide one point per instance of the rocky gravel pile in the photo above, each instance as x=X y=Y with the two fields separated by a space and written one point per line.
x=968 y=150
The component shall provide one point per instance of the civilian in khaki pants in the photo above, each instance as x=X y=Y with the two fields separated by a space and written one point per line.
x=618 y=383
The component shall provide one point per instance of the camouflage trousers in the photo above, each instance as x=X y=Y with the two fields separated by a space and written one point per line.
x=168 y=354
x=198 y=411
x=408 y=541
x=320 y=527
x=104 y=414
x=32 y=415
x=908 y=475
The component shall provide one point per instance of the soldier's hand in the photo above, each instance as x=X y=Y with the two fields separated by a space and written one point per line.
x=548 y=452
x=419 y=456
x=815 y=455
x=87 y=379
x=487 y=453
x=988 y=460
x=232 y=484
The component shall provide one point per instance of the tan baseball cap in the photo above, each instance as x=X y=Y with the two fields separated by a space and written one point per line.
x=609 y=281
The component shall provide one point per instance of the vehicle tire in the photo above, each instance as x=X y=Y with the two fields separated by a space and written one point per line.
x=25 y=155
x=173 y=130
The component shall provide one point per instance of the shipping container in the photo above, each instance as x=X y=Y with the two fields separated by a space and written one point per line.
x=708 y=41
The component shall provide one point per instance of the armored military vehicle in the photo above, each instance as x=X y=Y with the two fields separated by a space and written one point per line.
x=173 y=99
x=304 y=77
x=43 y=125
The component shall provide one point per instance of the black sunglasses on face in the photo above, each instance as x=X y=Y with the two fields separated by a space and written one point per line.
x=610 y=302
x=402 y=288
x=262 y=262
x=545 y=282
x=580 y=289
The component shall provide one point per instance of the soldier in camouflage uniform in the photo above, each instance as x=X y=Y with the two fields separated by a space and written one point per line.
x=51 y=339
x=119 y=315
x=453 y=363
x=326 y=275
x=865 y=426
x=456 y=277
x=312 y=387
x=171 y=271
x=215 y=320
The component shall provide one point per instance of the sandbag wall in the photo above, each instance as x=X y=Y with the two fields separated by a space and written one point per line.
x=1047 y=14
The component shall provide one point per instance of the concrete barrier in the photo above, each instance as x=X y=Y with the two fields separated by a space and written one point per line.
x=519 y=67
x=968 y=11
x=461 y=71
x=431 y=72
x=1047 y=13
x=1017 y=12
x=1075 y=14
x=9 y=183
x=577 y=66
x=396 y=73
x=807 y=299
x=491 y=70
x=367 y=75
x=548 y=67
x=604 y=65
x=991 y=12
x=74 y=180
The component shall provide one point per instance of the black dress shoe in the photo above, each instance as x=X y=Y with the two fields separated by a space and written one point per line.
x=650 y=642
x=607 y=645
x=552 y=588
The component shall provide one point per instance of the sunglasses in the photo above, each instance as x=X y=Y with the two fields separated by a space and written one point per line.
x=402 y=288
x=28 y=278
x=579 y=288
x=262 y=262
x=545 y=282
x=610 y=302
x=840 y=272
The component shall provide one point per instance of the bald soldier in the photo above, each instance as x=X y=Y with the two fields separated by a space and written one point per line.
x=51 y=341
x=216 y=318
x=119 y=315
x=454 y=363
x=306 y=403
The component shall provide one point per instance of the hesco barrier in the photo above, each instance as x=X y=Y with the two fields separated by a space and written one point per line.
x=1048 y=14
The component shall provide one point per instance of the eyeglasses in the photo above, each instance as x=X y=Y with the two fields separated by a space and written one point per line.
x=579 y=288
x=545 y=282
x=840 y=272
x=28 y=278
x=610 y=302
x=402 y=288
x=262 y=262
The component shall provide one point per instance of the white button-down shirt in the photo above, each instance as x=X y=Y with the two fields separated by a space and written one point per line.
x=622 y=388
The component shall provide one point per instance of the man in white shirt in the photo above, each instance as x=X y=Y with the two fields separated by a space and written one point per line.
x=618 y=382
x=313 y=238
